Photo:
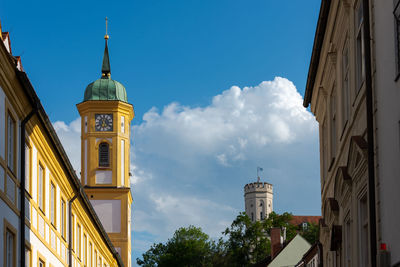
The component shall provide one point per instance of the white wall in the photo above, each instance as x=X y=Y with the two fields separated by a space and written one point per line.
x=387 y=96
x=2 y=124
x=109 y=213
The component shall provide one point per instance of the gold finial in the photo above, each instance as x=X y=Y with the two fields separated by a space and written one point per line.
x=106 y=36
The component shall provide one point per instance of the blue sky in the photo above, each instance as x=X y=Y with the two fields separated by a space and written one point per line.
x=209 y=110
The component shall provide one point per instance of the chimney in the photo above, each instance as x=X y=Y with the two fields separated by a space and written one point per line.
x=275 y=241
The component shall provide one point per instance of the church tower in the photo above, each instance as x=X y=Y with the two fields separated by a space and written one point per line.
x=105 y=141
x=258 y=200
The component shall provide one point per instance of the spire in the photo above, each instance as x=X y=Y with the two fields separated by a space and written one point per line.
x=105 y=68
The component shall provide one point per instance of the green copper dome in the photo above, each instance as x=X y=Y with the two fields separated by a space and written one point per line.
x=105 y=88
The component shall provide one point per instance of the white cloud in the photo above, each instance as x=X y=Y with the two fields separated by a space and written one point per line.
x=70 y=137
x=190 y=164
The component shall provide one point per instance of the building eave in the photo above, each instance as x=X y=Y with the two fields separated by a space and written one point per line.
x=316 y=51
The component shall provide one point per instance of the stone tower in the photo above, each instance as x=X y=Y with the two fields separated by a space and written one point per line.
x=258 y=200
x=105 y=141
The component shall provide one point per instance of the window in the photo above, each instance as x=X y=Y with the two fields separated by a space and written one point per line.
x=347 y=242
x=73 y=231
x=324 y=144
x=90 y=255
x=27 y=167
x=252 y=217
x=261 y=216
x=53 y=204
x=11 y=143
x=333 y=125
x=345 y=85
x=63 y=216
x=78 y=241
x=10 y=248
x=396 y=13
x=84 y=250
x=41 y=188
x=104 y=155
x=363 y=230
x=304 y=226
x=27 y=257
x=360 y=69
x=41 y=263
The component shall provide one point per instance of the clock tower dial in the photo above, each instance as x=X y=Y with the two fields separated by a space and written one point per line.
x=104 y=122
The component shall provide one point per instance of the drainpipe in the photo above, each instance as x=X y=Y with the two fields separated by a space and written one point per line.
x=370 y=133
x=70 y=229
x=22 y=184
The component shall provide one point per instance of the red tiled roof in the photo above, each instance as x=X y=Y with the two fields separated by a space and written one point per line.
x=296 y=220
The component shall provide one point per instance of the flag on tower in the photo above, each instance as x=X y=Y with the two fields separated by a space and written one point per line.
x=259 y=169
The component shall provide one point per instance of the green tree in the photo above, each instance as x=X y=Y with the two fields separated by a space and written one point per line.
x=188 y=247
x=310 y=233
x=282 y=221
x=247 y=242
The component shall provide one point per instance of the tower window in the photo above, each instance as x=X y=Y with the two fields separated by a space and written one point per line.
x=104 y=155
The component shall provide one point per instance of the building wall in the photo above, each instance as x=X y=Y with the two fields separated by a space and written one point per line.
x=43 y=236
x=387 y=124
x=338 y=102
x=258 y=200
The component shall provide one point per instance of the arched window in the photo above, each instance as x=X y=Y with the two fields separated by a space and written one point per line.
x=104 y=155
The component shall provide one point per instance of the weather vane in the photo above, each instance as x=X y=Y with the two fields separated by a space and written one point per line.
x=106 y=36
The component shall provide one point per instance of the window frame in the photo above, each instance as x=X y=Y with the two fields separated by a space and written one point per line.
x=362 y=232
x=41 y=201
x=100 y=156
x=73 y=231
x=346 y=91
x=28 y=260
x=84 y=249
x=12 y=135
x=359 y=46
x=8 y=228
x=63 y=221
x=28 y=167
x=41 y=259
x=53 y=204
x=90 y=254
x=78 y=251
x=333 y=124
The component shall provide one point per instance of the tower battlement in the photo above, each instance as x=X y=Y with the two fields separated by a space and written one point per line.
x=258 y=187
x=258 y=198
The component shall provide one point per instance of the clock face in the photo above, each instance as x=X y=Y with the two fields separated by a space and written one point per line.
x=104 y=122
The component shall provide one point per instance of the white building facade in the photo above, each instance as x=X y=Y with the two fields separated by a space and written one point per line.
x=258 y=200
x=353 y=90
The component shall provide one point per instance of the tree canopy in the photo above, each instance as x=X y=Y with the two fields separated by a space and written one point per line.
x=244 y=243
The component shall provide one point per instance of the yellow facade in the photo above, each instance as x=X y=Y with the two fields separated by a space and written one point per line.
x=51 y=186
x=117 y=184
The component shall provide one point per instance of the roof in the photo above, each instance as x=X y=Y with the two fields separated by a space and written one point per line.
x=296 y=220
x=316 y=51
x=292 y=253
x=105 y=88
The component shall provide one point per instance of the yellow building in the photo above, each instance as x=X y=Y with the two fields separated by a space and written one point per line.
x=105 y=141
x=44 y=211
